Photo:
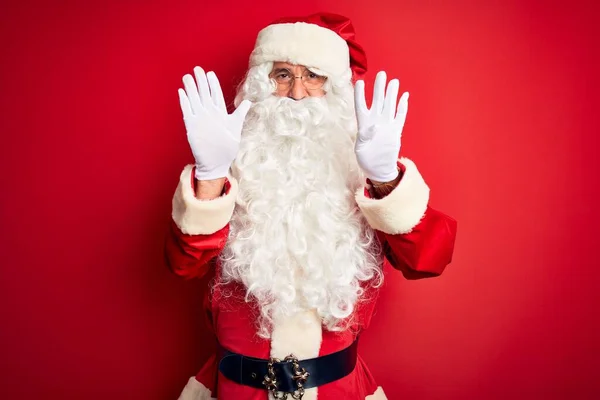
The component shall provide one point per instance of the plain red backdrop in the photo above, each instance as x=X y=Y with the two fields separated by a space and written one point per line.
x=503 y=124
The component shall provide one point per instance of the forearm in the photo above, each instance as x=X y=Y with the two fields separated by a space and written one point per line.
x=209 y=189
x=381 y=189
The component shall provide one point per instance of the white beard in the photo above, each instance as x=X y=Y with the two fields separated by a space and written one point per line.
x=297 y=239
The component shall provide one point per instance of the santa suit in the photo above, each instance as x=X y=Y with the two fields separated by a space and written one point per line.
x=416 y=239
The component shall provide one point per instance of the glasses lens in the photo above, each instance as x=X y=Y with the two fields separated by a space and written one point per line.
x=312 y=80
x=283 y=78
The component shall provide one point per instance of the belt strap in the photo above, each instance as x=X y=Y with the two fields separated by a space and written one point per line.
x=252 y=371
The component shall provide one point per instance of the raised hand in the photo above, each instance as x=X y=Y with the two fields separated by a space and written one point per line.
x=379 y=128
x=213 y=134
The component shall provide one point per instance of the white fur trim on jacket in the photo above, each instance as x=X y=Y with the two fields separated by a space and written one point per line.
x=204 y=217
x=402 y=209
x=378 y=395
x=195 y=390
x=300 y=335
x=304 y=44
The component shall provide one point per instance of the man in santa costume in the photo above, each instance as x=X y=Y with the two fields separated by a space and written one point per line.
x=295 y=203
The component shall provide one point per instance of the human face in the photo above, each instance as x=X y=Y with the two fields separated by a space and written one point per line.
x=301 y=80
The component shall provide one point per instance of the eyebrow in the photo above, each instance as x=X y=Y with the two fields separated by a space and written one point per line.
x=277 y=70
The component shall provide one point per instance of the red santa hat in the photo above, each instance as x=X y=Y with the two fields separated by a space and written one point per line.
x=323 y=41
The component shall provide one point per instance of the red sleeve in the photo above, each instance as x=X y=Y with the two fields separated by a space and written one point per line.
x=189 y=255
x=426 y=250
x=208 y=376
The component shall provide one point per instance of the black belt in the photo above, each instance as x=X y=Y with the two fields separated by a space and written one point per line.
x=284 y=375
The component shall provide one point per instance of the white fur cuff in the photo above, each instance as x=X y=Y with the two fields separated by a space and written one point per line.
x=204 y=217
x=195 y=390
x=304 y=44
x=402 y=209
x=378 y=395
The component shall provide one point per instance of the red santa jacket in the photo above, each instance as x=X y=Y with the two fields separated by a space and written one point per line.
x=416 y=239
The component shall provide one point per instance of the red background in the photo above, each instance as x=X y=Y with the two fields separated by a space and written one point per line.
x=503 y=124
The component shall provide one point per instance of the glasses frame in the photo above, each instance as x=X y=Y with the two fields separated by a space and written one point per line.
x=293 y=78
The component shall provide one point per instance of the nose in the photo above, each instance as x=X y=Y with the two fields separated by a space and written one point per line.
x=297 y=90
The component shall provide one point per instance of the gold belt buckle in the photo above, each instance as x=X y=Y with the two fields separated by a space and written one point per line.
x=300 y=376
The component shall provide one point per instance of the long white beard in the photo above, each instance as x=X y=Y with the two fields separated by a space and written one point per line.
x=297 y=239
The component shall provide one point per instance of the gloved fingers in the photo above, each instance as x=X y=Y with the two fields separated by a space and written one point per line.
x=360 y=103
x=215 y=91
x=389 y=108
x=239 y=116
x=379 y=92
x=202 y=87
x=402 y=109
x=184 y=102
x=192 y=94
x=241 y=111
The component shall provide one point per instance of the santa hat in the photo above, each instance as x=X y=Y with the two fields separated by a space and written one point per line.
x=323 y=41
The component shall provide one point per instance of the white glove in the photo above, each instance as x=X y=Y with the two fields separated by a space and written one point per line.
x=214 y=135
x=379 y=129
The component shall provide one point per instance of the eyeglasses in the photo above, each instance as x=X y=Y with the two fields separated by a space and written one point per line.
x=285 y=79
